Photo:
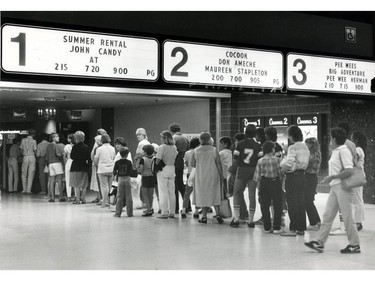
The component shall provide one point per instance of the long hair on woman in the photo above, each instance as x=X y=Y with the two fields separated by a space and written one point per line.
x=360 y=140
x=315 y=147
x=167 y=136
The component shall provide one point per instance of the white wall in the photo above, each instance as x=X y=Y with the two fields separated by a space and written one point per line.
x=193 y=117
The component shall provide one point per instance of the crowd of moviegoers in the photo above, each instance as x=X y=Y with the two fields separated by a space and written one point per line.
x=286 y=180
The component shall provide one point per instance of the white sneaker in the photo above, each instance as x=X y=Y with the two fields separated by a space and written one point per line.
x=278 y=231
x=337 y=231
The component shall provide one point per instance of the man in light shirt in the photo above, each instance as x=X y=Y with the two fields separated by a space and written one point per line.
x=28 y=148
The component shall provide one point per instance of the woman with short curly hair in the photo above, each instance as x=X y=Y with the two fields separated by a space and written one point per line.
x=79 y=170
x=104 y=159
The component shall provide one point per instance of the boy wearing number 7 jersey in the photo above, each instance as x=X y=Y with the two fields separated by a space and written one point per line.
x=245 y=158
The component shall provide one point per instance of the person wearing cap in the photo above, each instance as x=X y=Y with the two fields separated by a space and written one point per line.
x=28 y=148
x=182 y=144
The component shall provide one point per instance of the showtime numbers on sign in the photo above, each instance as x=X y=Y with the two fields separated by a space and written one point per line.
x=329 y=74
x=49 y=51
x=194 y=63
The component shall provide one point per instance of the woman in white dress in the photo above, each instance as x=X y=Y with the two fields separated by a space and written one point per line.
x=68 y=163
x=94 y=185
x=208 y=177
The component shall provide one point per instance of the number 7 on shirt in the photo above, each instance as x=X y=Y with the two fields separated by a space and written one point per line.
x=249 y=152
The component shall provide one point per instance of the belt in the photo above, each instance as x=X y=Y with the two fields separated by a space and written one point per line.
x=299 y=172
x=267 y=178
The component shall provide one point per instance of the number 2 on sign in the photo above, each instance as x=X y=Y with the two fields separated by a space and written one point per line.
x=249 y=153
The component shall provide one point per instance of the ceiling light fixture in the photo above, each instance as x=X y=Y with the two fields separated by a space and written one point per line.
x=47 y=113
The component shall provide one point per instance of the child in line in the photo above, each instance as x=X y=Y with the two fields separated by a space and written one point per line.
x=194 y=143
x=225 y=154
x=269 y=178
x=123 y=169
x=148 y=179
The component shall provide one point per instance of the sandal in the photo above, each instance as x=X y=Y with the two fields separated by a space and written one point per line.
x=219 y=219
x=202 y=220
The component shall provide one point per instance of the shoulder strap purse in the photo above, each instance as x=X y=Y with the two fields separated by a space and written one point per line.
x=356 y=179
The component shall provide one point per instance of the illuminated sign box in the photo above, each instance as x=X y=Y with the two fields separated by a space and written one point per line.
x=256 y=121
x=194 y=63
x=39 y=50
x=19 y=114
x=76 y=115
x=308 y=125
x=328 y=74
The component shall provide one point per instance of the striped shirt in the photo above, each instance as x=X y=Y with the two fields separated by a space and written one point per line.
x=269 y=167
x=28 y=146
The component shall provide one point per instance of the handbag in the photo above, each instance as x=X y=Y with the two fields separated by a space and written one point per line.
x=225 y=209
x=356 y=179
x=231 y=180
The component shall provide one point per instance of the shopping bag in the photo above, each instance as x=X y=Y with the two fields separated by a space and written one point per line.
x=225 y=209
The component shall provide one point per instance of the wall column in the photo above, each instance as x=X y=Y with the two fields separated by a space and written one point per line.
x=218 y=121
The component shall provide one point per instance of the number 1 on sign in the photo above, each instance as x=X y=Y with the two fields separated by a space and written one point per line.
x=21 y=39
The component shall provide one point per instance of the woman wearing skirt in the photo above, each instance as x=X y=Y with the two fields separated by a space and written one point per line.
x=79 y=170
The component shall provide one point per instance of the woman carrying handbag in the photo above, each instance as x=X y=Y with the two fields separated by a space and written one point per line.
x=340 y=166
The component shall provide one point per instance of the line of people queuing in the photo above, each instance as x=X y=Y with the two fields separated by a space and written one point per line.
x=257 y=162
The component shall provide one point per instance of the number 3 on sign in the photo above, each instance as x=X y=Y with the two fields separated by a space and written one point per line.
x=302 y=64
x=249 y=153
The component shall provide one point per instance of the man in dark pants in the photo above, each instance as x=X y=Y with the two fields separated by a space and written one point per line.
x=41 y=153
x=182 y=144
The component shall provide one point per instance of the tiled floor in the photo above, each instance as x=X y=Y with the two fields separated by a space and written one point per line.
x=35 y=234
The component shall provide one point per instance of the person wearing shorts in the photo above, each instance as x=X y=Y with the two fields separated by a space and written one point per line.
x=54 y=160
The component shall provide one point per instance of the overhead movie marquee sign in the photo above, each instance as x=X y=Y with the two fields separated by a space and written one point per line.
x=37 y=50
x=59 y=52
x=328 y=74
x=215 y=65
